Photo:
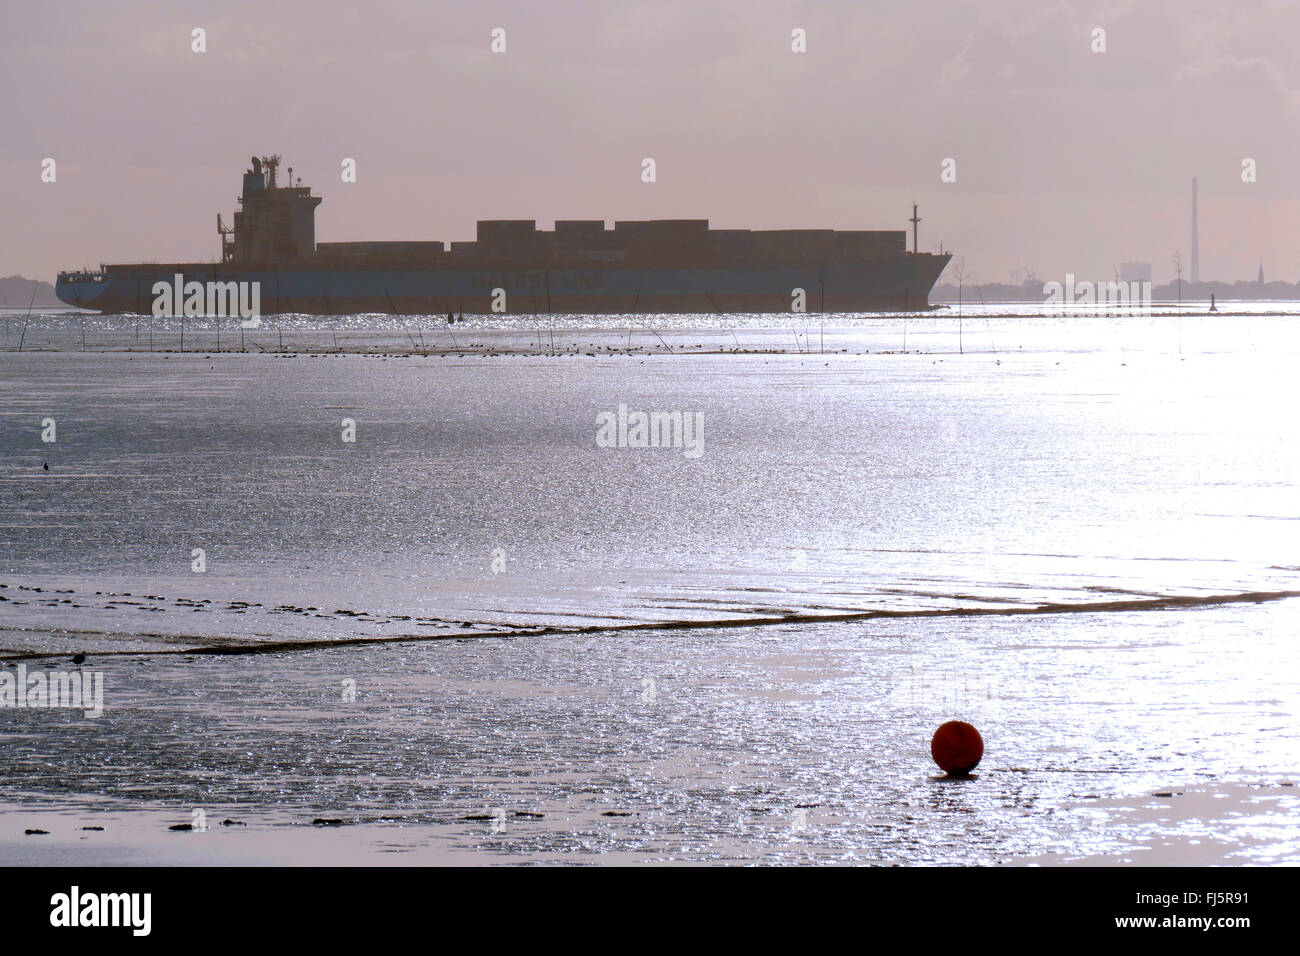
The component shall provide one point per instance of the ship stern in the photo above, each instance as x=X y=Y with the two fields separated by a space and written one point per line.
x=84 y=290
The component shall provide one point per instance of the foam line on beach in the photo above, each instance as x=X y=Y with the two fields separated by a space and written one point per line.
x=1169 y=602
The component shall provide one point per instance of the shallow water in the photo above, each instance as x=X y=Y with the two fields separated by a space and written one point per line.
x=1065 y=461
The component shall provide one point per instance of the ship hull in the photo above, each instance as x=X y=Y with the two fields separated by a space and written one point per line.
x=900 y=284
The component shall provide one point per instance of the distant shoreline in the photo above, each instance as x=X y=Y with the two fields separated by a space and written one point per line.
x=16 y=293
x=1252 y=291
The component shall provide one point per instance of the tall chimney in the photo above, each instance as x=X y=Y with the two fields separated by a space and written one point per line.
x=1196 y=239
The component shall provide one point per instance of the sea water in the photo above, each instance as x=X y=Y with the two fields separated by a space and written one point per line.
x=1075 y=532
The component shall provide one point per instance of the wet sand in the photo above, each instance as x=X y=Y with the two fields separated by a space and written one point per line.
x=1200 y=825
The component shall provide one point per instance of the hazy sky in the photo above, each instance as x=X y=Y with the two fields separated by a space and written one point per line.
x=1066 y=159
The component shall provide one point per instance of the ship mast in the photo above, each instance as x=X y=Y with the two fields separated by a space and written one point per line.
x=914 y=220
x=227 y=234
x=271 y=164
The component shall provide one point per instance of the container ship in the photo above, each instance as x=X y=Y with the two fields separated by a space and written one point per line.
x=512 y=267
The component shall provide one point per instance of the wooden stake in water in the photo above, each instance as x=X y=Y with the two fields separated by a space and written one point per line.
x=35 y=286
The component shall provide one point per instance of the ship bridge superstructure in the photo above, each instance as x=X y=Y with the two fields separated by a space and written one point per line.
x=275 y=223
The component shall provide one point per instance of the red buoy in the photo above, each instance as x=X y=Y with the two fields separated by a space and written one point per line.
x=957 y=747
